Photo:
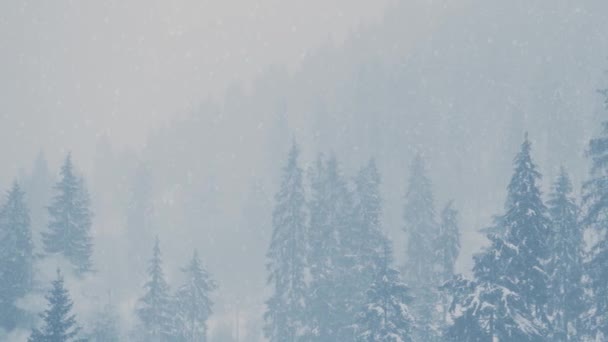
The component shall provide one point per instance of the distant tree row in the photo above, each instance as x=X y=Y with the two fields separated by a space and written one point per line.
x=181 y=316
x=331 y=267
x=164 y=316
x=68 y=235
x=330 y=261
x=540 y=279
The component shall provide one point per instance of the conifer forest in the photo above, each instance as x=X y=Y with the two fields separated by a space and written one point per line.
x=320 y=171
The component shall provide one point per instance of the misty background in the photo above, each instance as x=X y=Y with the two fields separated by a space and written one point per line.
x=194 y=104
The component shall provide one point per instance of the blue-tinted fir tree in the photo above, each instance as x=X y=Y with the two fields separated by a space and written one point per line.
x=59 y=322
x=527 y=228
x=287 y=257
x=421 y=269
x=566 y=266
x=365 y=243
x=508 y=298
x=16 y=255
x=595 y=204
x=471 y=314
x=330 y=313
x=69 y=228
x=367 y=236
x=155 y=308
x=194 y=305
x=385 y=315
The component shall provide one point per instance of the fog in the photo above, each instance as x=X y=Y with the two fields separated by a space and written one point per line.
x=124 y=68
x=194 y=105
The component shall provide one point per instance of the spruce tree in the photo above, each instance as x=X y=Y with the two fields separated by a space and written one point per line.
x=595 y=202
x=331 y=257
x=287 y=257
x=16 y=255
x=155 y=308
x=59 y=323
x=421 y=268
x=566 y=266
x=471 y=312
x=527 y=227
x=508 y=298
x=369 y=239
x=485 y=311
x=194 y=305
x=385 y=315
x=69 y=229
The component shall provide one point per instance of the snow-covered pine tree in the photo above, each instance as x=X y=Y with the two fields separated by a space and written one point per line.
x=69 y=229
x=287 y=257
x=330 y=313
x=566 y=266
x=59 y=323
x=508 y=299
x=367 y=233
x=485 y=311
x=421 y=269
x=470 y=313
x=527 y=227
x=385 y=315
x=595 y=203
x=16 y=255
x=155 y=308
x=497 y=302
x=193 y=303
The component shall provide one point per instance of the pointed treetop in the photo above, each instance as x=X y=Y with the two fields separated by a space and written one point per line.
x=369 y=172
x=59 y=323
x=418 y=173
x=563 y=185
x=524 y=179
x=526 y=146
x=67 y=169
x=15 y=191
x=294 y=153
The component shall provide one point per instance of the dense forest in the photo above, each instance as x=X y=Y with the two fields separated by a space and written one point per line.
x=331 y=266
